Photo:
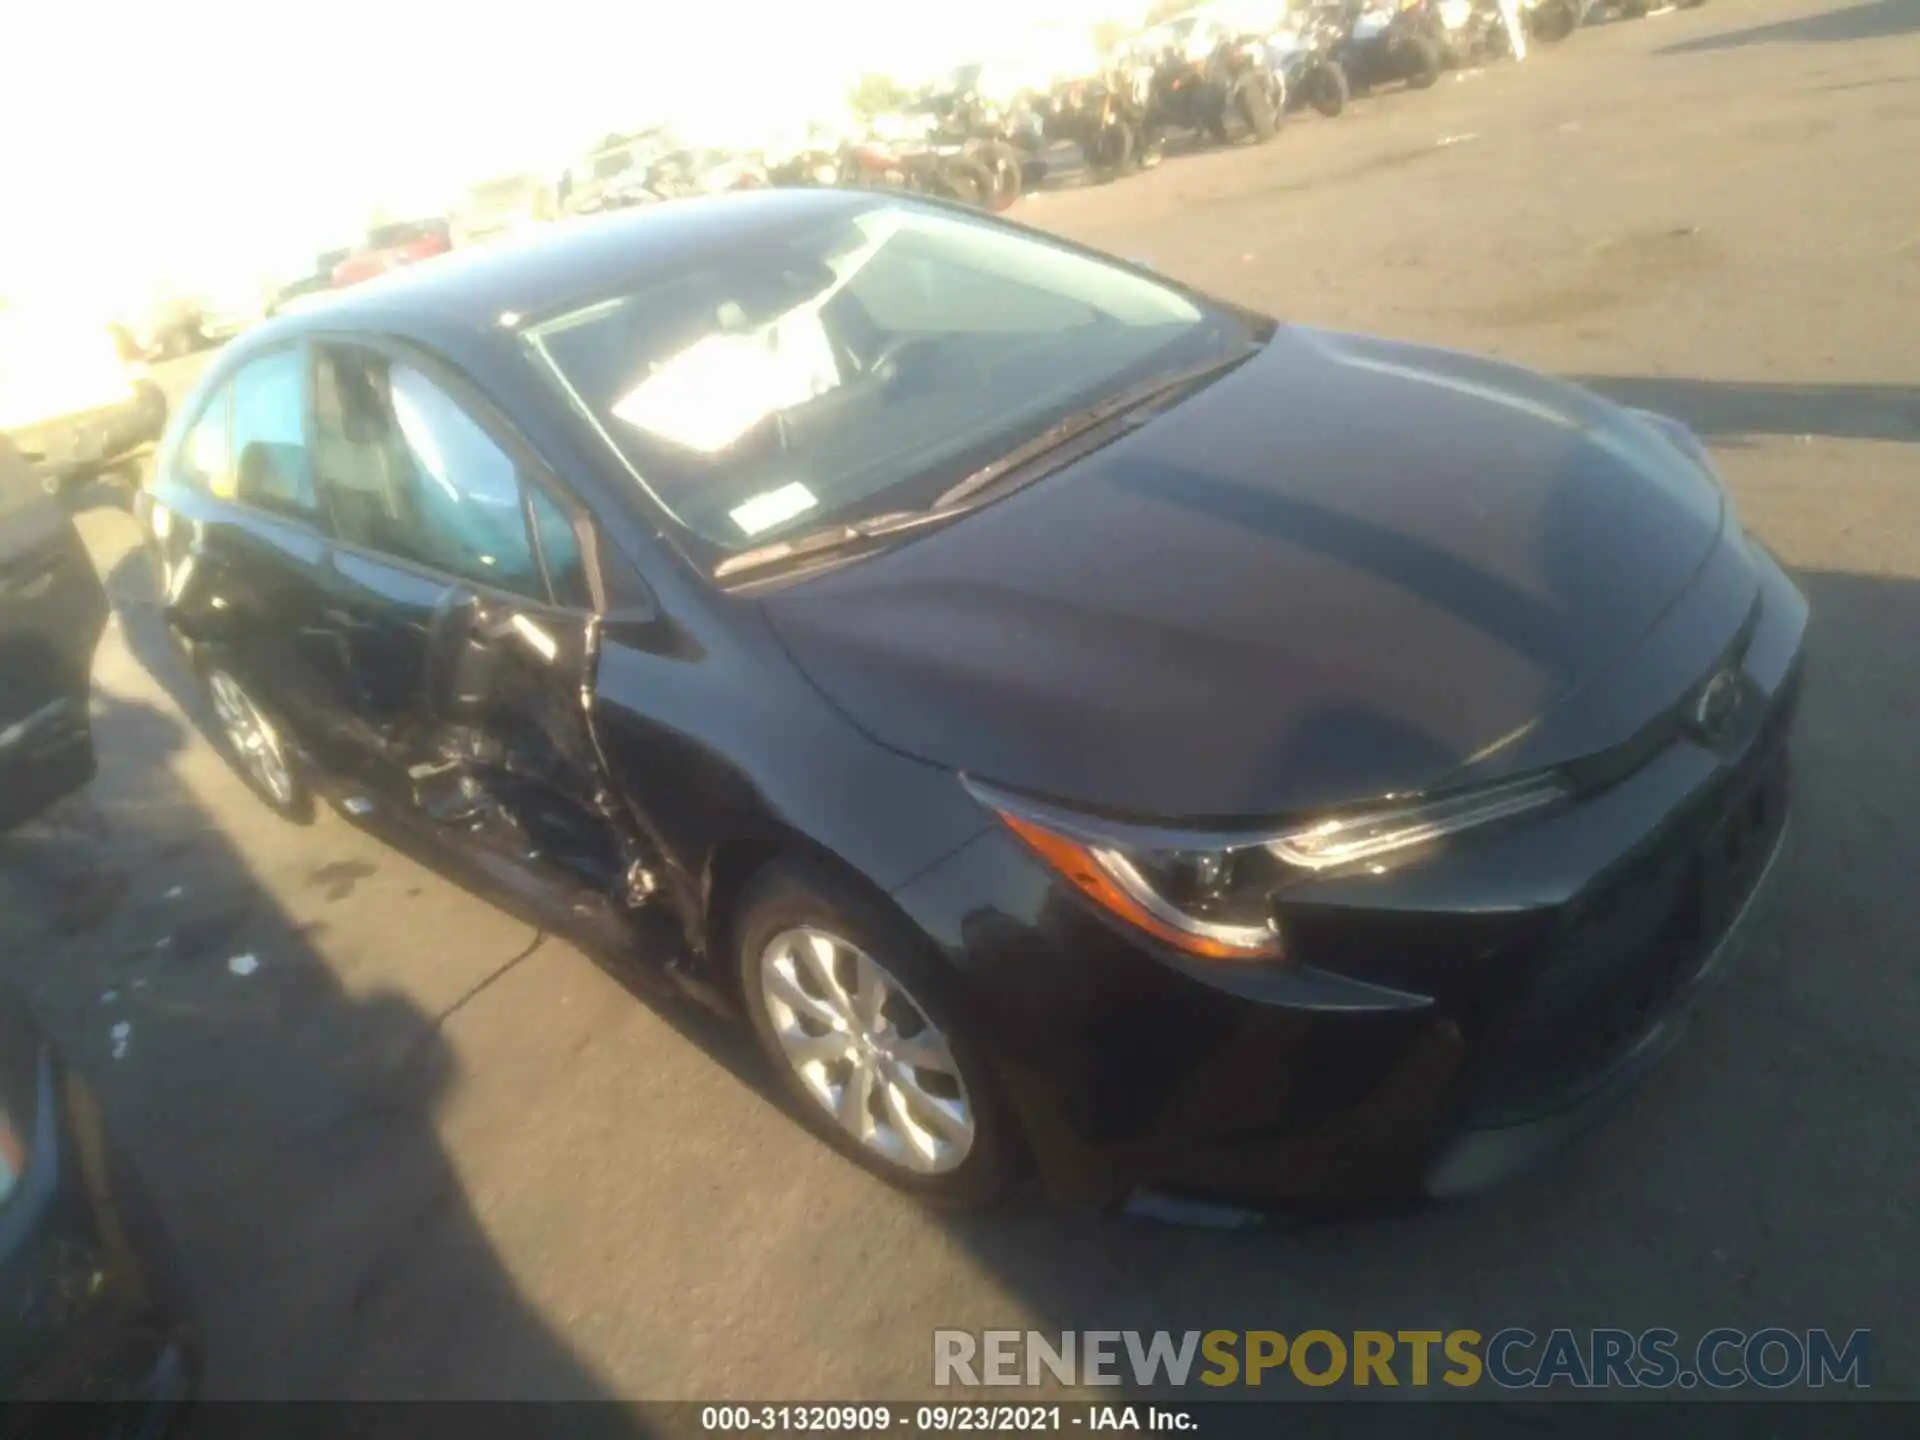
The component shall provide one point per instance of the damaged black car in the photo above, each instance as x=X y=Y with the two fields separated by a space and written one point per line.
x=1082 y=726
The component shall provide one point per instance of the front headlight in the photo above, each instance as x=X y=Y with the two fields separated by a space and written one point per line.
x=1211 y=894
x=1369 y=835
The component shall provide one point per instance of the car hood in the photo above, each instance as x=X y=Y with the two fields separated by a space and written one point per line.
x=1350 y=568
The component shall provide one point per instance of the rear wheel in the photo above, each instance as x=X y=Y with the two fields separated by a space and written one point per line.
x=254 y=746
x=856 y=1018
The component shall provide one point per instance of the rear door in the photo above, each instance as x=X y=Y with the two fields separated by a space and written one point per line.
x=243 y=551
x=436 y=504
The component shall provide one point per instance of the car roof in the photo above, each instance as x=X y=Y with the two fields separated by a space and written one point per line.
x=568 y=264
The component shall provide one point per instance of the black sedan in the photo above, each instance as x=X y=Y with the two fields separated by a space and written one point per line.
x=1076 y=721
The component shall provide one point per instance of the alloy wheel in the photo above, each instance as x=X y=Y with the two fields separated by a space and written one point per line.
x=866 y=1051
x=254 y=740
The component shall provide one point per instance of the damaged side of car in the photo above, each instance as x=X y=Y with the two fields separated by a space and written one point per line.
x=386 y=604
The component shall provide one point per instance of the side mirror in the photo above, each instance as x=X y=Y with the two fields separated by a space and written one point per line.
x=461 y=664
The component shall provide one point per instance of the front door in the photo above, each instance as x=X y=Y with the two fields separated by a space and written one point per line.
x=440 y=522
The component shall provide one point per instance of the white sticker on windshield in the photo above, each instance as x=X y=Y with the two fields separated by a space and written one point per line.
x=765 y=511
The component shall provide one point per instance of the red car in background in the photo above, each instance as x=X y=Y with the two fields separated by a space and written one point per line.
x=389 y=247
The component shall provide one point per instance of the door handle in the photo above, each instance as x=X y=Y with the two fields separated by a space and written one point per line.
x=336 y=617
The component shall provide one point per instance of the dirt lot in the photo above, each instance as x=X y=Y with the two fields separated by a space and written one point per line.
x=424 y=1150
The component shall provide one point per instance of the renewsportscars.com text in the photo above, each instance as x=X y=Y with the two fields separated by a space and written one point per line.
x=1513 y=1358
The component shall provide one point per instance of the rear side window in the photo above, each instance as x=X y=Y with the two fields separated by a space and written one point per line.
x=409 y=473
x=205 y=458
x=271 y=467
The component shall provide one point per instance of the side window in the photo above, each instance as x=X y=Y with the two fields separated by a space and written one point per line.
x=203 y=460
x=407 y=472
x=271 y=467
x=560 y=549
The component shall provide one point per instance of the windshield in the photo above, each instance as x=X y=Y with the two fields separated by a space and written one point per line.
x=861 y=367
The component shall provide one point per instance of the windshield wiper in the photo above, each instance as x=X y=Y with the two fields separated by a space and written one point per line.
x=1133 y=398
x=949 y=505
x=832 y=537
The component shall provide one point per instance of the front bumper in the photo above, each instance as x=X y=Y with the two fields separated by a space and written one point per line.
x=75 y=445
x=1436 y=1027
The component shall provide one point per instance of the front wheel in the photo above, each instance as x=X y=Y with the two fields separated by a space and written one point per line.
x=856 y=1017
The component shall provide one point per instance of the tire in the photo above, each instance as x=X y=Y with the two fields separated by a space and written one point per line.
x=1112 y=152
x=1327 y=88
x=1424 y=62
x=1551 y=23
x=1005 y=172
x=252 y=744
x=814 y=997
x=967 y=181
x=1217 y=128
x=1257 y=110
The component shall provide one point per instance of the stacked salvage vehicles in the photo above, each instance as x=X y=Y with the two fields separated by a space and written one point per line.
x=1220 y=74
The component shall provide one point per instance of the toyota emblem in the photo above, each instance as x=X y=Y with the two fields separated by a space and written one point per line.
x=1717 y=710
